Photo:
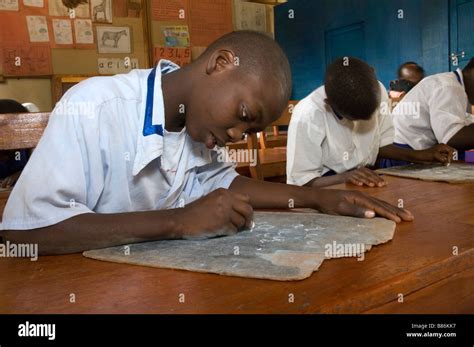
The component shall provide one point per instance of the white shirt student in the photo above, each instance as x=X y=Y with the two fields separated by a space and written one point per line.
x=119 y=156
x=319 y=141
x=432 y=112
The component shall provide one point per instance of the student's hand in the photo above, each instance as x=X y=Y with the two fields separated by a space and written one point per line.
x=364 y=176
x=438 y=153
x=356 y=204
x=219 y=213
x=10 y=180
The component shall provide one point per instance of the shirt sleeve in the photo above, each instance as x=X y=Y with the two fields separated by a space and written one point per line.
x=304 y=148
x=387 y=130
x=217 y=174
x=58 y=181
x=447 y=107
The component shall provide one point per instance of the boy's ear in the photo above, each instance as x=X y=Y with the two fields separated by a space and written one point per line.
x=221 y=60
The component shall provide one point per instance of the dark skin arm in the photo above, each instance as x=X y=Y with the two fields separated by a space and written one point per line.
x=359 y=177
x=222 y=212
x=219 y=213
x=438 y=153
x=464 y=138
x=339 y=202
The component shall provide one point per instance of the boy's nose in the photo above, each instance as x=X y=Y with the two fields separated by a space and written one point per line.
x=236 y=134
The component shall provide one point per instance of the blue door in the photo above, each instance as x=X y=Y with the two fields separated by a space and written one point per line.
x=345 y=41
x=461 y=32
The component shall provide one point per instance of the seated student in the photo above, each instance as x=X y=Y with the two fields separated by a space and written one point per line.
x=11 y=162
x=437 y=111
x=409 y=75
x=342 y=127
x=140 y=165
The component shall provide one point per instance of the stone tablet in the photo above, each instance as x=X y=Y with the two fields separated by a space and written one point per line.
x=282 y=246
x=454 y=173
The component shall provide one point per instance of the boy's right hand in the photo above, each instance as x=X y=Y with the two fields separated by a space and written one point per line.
x=364 y=176
x=219 y=213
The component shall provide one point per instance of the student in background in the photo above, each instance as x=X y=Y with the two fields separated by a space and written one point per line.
x=341 y=128
x=11 y=162
x=409 y=75
x=436 y=111
x=411 y=71
x=138 y=163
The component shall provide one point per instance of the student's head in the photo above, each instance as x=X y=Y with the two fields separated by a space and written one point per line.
x=352 y=89
x=468 y=77
x=243 y=83
x=11 y=106
x=411 y=71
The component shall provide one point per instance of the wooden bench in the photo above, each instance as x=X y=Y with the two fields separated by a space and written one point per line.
x=20 y=131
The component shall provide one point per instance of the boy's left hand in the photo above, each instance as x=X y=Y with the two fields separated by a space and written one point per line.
x=438 y=153
x=10 y=181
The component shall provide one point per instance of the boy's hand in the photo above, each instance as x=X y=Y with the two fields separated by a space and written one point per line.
x=356 y=204
x=362 y=176
x=219 y=213
x=441 y=153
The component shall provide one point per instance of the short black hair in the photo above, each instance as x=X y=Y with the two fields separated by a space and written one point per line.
x=259 y=55
x=352 y=89
x=469 y=65
x=11 y=106
x=412 y=64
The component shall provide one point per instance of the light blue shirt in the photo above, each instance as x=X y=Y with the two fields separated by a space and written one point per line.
x=106 y=150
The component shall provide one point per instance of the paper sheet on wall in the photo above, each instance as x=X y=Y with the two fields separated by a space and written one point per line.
x=9 y=5
x=83 y=33
x=169 y=10
x=250 y=16
x=37 y=28
x=178 y=55
x=62 y=31
x=176 y=36
x=27 y=61
x=34 y=3
x=208 y=20
x=113 y=66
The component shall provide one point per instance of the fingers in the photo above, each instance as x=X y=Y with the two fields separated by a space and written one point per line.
x=366 y=176
x=383 y=208
x=244 y=210
x=237 y=220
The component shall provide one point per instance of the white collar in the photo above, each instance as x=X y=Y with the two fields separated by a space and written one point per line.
x=152 y=123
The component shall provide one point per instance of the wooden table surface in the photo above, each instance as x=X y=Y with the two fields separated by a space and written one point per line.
x=418 y=263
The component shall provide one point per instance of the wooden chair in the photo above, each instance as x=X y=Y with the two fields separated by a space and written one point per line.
x=277 y=138
x=270 y=162
x=20 y=131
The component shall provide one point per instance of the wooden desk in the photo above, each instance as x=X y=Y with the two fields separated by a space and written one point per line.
x=418 y=263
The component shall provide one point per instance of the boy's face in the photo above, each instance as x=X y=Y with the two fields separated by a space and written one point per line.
x=228 y=104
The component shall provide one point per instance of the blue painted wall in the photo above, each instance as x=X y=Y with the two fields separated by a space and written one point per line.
x=422 y=35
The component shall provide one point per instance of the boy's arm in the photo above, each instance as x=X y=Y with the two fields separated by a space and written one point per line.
x=359 y=177
x=440 y=153
x=463 y=139
x=339 y=202
x=218 y=213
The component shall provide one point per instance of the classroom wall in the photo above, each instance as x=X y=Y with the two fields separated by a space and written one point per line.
x=35 y=90
x=422 y=35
